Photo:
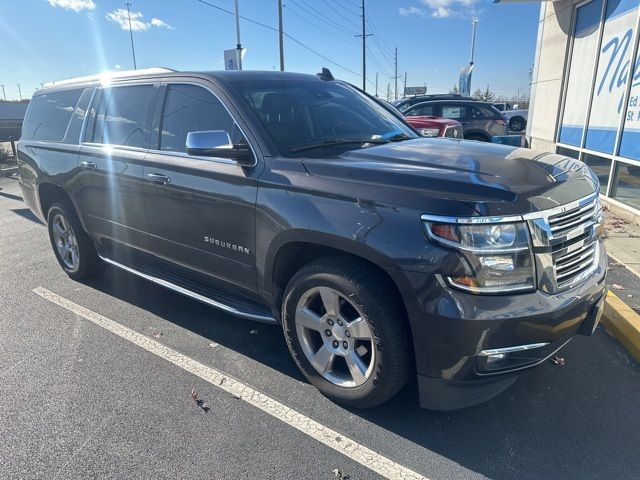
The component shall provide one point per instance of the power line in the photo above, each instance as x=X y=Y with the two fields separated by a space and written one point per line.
x=375 y=61
x=315 y=24
x=293 y=39
x=321 y=16
x=341 y=14
x=379 y=41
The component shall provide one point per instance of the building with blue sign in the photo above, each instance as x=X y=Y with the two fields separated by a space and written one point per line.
x=585 y=99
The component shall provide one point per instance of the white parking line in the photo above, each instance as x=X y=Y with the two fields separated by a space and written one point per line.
x=344 y=445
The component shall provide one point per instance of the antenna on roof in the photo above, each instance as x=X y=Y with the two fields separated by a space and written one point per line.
x=325 y=74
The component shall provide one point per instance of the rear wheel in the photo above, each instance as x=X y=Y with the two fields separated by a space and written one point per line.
x=516 y=124
x=72 y=246
x=346 y=332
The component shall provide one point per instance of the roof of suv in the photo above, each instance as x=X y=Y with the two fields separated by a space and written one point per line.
x=224 y=75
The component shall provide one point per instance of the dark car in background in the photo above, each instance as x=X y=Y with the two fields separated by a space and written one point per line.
x=480 y=121
x=300 y=201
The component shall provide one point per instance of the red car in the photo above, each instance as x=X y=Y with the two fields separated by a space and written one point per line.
x=430 y=126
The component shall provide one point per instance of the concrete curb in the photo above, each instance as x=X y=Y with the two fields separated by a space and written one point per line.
x=623 y=323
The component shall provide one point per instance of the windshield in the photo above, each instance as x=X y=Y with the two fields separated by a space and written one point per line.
x=313 y=116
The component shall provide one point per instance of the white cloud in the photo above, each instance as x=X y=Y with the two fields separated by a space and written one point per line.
x=156 y=22
x=121 y=17
x=406 y=11
x=442 y=9
x=75 y=5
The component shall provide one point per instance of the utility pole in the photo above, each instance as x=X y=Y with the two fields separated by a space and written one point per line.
x=281 y=35
x=133 y=50
x=388 y=92
x=364 y=48
x=238 y=44
x=395 y=75
x=404 y=92
x=376 y=84
x=3 y=94
x=19 y=91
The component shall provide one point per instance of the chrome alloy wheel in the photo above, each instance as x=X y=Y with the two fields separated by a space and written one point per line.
x=335 y=337
x=65 y=241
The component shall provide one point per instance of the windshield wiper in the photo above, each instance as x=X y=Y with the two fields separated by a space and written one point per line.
x=338 y=141
x=398 y=137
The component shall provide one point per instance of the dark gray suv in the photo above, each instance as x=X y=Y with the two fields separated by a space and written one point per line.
x=481 y=121
x=301 y=201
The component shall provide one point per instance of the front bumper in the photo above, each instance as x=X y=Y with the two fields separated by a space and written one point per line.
x=451 y=328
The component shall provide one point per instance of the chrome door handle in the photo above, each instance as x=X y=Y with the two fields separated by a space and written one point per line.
x=89 y=165
x=158 y=179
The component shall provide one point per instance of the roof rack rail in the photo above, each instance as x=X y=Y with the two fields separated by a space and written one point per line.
x=109 y=75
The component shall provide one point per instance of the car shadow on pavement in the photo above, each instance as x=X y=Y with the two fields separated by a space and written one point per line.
x=222 y=328
x=28 y=214
x=578 y=421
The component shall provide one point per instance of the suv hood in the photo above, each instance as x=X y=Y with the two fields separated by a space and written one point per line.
x=492 y=179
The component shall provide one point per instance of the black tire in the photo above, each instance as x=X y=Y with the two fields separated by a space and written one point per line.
x=392 y=363
x=517 y=124
x=88 y=261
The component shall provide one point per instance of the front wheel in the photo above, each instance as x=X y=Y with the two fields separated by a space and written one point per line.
x=347 y=332
x=72 y=246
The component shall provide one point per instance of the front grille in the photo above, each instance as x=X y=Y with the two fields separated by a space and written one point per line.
x=571 y=264
x=577 y=218
x=454 y=132
x=566 y=243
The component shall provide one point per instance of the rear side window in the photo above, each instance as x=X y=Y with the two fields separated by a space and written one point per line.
x=478 y=113
x=48 y=115
x=422 y=110
x=190 y=108
x=454 y=112
x=121 y=116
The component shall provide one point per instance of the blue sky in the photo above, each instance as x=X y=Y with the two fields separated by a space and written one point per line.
x=46 y=40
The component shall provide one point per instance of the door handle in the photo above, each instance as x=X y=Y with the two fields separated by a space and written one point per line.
x=158 y=179
x=88 y=165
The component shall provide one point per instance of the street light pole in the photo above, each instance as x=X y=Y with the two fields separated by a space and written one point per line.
x=133 y=51
x=474 y=22
x=238 y=44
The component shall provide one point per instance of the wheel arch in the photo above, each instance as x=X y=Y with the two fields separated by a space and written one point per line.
x=298 y=248
x=50 y=193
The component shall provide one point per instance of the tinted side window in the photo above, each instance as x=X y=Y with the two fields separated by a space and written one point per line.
x=73 y=132
x=455 y=112
x=477 y=113
x=122 y=116
x=422 y=110
x=189 y=108
x=48 y=115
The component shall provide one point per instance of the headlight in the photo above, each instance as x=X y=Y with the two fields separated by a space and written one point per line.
x=499 y=258
x=429 y=132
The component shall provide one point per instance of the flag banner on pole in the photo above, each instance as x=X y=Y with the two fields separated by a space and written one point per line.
x=465 y=80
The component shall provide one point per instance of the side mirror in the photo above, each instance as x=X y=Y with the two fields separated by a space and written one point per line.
x=217 y=143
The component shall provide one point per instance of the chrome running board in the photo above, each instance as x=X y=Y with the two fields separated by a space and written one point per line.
x=194 y=295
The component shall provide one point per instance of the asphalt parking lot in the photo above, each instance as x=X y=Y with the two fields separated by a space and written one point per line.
x=80 y=401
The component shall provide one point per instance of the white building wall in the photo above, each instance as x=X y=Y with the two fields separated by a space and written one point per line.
x=554 y=32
